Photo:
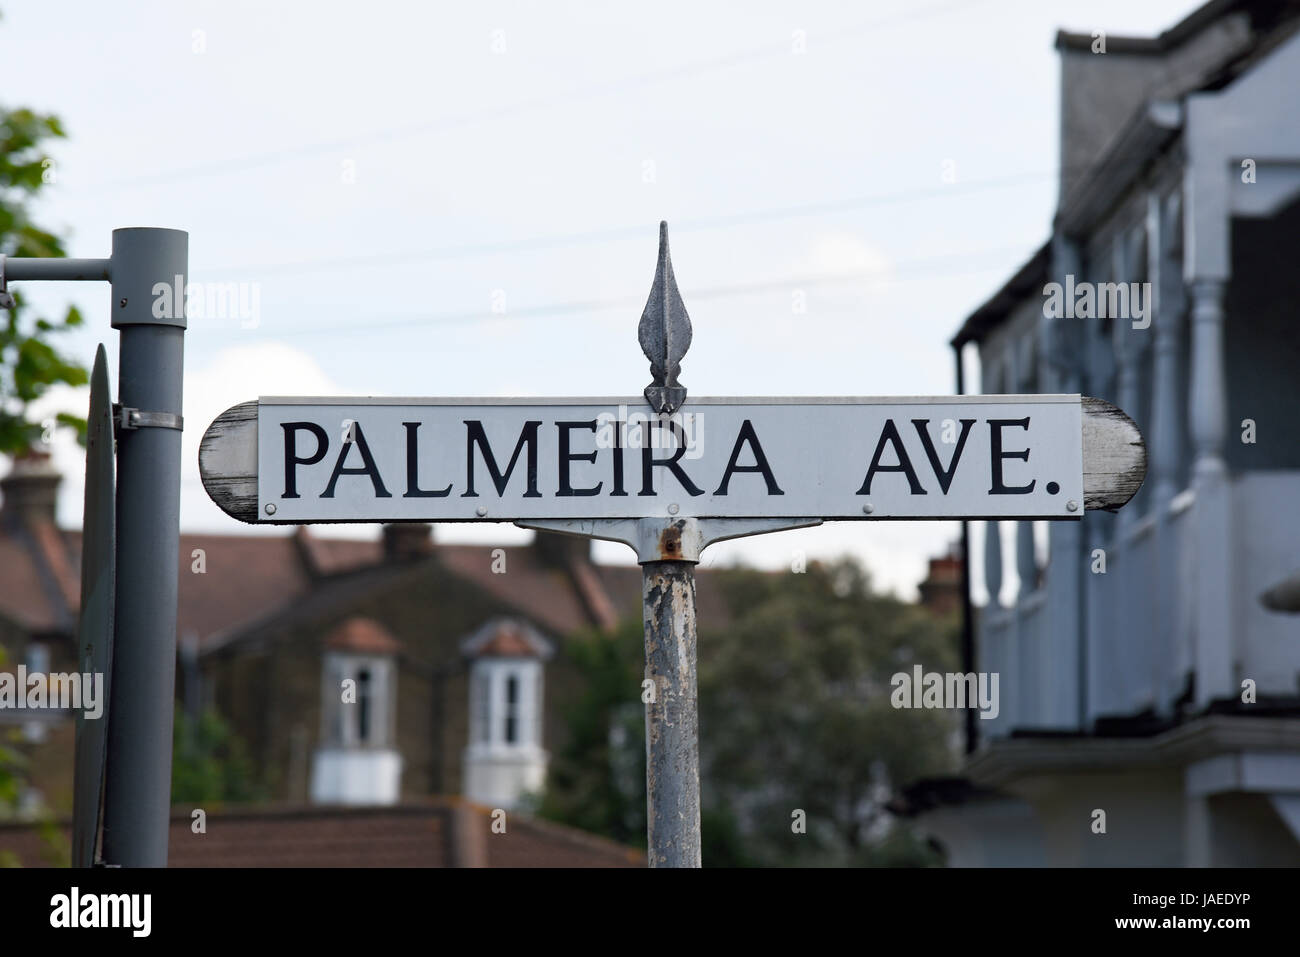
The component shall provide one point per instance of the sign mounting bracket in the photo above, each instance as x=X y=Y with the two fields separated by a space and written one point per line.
x=128 y=419
x=668 y=539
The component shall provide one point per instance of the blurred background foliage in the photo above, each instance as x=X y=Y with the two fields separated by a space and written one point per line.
x=29 y=366
x=29 y=363
x=210 y=763
x=794 y=716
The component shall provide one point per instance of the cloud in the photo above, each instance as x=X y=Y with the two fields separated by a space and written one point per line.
x=229 y=377
x=842 y=252
x=69 y=457
x=234 y=375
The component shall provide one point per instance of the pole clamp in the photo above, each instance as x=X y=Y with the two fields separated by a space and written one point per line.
x=127 y=419
x=6 y=297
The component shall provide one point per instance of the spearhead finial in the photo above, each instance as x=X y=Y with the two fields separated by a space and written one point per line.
x=665 y=334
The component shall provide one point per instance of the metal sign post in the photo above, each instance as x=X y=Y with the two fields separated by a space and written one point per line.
x=668 y=477
x=137 y=788
x=147 y=420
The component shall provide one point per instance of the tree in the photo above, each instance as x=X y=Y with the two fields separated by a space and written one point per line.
x=29 y=365
x=596 y=781
x=13 y=766
x=210 y=763
x=796 y=723
x=800 y=748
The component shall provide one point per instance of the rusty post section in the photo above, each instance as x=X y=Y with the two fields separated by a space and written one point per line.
x=672 y=722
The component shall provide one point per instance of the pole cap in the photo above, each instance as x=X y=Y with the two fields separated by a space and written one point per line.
x=150 y=267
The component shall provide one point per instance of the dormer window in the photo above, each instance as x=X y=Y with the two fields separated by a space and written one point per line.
x=358 y=700
x=356 y=762
x=504 y=756
x=505 y=703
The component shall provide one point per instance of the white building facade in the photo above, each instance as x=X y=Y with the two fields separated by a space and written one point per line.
x=1150 y=710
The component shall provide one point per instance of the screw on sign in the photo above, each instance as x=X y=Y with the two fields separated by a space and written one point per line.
x=668 y=475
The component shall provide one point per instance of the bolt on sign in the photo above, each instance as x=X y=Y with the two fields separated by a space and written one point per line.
x=668 y=475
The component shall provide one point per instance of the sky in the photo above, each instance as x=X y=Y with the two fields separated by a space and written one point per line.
x=463 y=199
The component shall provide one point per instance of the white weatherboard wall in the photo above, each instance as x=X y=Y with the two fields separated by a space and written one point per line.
x=1268 y=648
x=1173 y=622
x=349 y=776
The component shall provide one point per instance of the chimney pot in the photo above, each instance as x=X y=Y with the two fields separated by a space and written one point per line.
x=406 y=541
x=30 y=490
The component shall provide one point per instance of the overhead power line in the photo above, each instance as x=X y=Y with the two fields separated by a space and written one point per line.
x=903 y=271
x=637 y=231
x=241 y=164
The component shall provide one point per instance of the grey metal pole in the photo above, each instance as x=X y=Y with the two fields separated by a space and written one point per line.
x=668 y=550
x=151 y=322
x=672 y=721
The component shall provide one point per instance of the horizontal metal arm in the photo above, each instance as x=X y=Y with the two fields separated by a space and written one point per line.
x=66 y=270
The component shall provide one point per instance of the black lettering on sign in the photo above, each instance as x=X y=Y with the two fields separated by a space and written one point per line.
x=413 y=489
x=368 y=466
x=566 y=488
x=291 y=459
x=890 y=434
x=760 y=461
x=617 y=459
x=649 y=462
x=476 y=436
x=995 y=449
x=944 y=477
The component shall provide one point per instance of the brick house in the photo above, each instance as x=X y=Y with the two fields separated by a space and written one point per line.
x=453 y=655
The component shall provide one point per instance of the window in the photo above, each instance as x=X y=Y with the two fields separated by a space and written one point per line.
x=512 y=710
x=357 y=701
x=480 y=701
x=38 y=658
x=535 y=709
x=503 y=704
x=365 y=695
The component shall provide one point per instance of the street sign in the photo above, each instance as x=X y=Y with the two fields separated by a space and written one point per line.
x=95 y=627
x=297 y=460
x=668 y=475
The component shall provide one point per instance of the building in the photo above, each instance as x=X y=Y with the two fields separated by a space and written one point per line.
x=941 y=589
x=1150 y=707
x=369 y=673
x=431 y=833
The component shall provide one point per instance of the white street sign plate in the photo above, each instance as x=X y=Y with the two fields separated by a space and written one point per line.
x=373 y=460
